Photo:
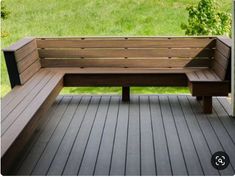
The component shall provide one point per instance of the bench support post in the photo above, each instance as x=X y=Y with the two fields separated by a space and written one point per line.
x=207 y=104
x=125 y=94
x=199 y=98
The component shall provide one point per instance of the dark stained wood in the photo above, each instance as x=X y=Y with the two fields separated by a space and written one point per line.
x=126 y=43
x=148 y=162
x=130 y=63
x=209 y=132
x=199 y=136
x=133 y=159
x=12 y=69
x=79 y=146
x=59 y=161
x=191 y=158
x=15 y=140
x=199 y=98
x=124 y=80
x=118 y=162
x=49 y=152
x=163 y=163
x=207 y=104
x=106 y=147
x=92 y=148
x=31 y=160
x=205 y=88
x=177 y=158
x=112 y=53
x=125 y=93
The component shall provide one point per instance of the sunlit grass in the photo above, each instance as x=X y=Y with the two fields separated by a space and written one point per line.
x=96 y=18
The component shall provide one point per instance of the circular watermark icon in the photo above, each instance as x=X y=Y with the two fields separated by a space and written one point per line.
x=220 y=160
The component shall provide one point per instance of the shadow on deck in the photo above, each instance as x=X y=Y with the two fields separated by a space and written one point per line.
x=153 y=135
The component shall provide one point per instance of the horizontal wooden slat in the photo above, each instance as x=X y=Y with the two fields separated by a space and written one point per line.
x=227 y=41
x=27 y=61
x=132 y=63
x=76 y=70
x=130 y=43
x=30 y=71
x=107 y=53
x=19 y=44
x=224 y=49
x=221 y=59
x=25 y=50
x=219 y=70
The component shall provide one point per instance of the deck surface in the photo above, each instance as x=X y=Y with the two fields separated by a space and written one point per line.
x=151 y=135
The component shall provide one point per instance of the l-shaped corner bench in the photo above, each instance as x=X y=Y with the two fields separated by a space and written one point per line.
x=39 y=68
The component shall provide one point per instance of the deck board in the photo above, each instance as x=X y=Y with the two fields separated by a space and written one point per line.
x=151 y=135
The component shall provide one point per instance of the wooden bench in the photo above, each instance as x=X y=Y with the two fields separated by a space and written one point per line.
x=39 y=68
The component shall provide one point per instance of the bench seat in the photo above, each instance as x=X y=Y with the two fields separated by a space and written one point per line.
x=23 y=107
x=39 y=68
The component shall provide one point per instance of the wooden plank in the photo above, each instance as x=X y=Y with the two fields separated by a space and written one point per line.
x=219 y=70
x=67 y=70
x=148 y=161
x=37 y=149
x=190 y=154
x=174 y=145
x=18 y=147
x=12 y=114
x=203 y=75
x=224 y=49
x=57 y=165
x=25 y=50
x=50 y=150
x=30 y=71
x=209 y=133
x=225 y=104
x=107 y=53
x=200 y=143
x=19 y=44
x=106 y=146
x=160 y=143
x=123 y=63
x=27 y=61
x=118 y=163
x=125 y=80
x=40 y=127
x=133 y=145
x=12 y=69
x=225 y=119
x=93 y=145
x=19 y=92
x=221 y=59
x=126 y=43
x=11 y=134
x=204 y=88
x=75 y=158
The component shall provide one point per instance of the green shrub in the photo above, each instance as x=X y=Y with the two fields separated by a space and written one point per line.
x=206 y=19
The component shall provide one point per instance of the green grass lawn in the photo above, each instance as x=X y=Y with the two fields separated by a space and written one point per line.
x=96 y=18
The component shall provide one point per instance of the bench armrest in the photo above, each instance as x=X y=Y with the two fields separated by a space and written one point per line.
x=22 y=60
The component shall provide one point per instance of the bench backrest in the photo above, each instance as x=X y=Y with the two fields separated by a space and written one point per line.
x=126 y=52
x=27 y=56
x=222 y=58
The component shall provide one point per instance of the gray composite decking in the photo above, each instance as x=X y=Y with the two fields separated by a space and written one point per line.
x=151 y=135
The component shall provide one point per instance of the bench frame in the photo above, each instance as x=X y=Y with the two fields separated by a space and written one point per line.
x=22 y=70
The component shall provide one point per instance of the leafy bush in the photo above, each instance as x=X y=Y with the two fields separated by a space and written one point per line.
x=206 y=19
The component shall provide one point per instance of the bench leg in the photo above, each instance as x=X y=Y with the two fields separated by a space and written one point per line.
x=207 y=104
x=125 y=94
x=199 y=98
